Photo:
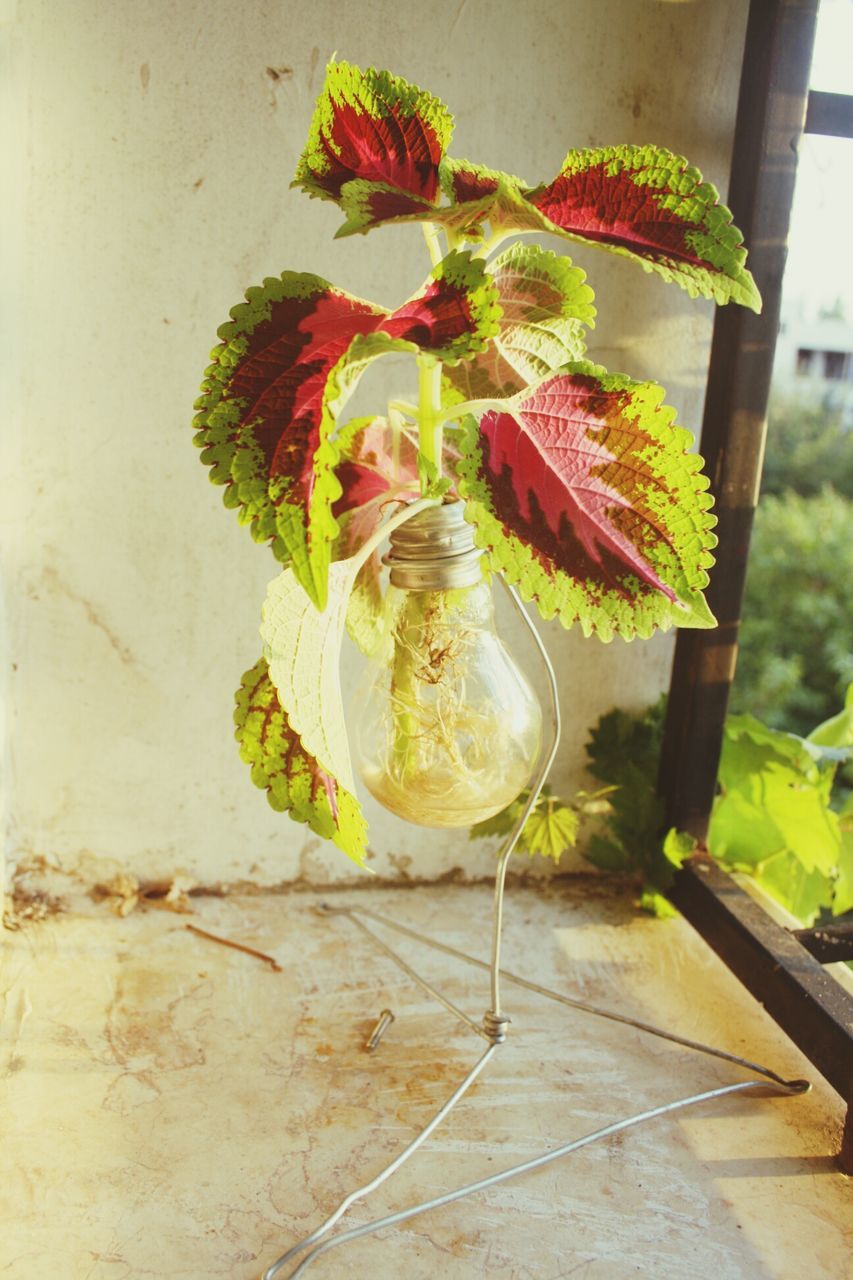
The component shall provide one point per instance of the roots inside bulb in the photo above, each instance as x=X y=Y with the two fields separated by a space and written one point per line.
x=450 y=727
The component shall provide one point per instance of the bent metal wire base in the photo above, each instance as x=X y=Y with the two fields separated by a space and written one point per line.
x=493 y=1029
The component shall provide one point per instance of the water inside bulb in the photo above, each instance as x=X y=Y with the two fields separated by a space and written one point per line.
x=447 y=727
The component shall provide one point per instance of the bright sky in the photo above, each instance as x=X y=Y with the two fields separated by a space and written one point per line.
x=832 y=63
x=820 y=250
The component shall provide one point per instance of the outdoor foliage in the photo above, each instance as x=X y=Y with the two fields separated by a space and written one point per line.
x=808 y=448
x=623 y=753
x=581 y=488
x=779 y=815
x=796 y=642
x=552 y=826
x=773 y=818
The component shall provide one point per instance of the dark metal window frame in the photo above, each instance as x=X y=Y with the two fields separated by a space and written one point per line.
x=781 y=968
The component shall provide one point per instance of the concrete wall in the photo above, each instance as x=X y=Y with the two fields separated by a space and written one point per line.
x=154 y=146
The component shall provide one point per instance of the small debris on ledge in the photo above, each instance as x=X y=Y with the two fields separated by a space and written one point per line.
x=124 y=893
x=24 y=905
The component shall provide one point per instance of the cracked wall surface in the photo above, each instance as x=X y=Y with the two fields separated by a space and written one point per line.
x=149 y=187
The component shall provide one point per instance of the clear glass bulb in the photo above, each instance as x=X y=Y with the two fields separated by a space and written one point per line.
x=447 y=728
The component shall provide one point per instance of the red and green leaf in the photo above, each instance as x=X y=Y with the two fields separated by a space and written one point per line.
x=288 y=361
x=545 y=305
x=377 y=475
x=479 y=195
x=373 y=474
x=292 y=779
x=649 y=204
x=373 y=204
x=374 y=128
x=377 y=147
x=454 y=316
x=642 y=202
x=584 y=494
x=265 y=413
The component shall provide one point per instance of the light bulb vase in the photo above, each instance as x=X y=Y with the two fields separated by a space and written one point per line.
x=435 y=553
x=447 y=729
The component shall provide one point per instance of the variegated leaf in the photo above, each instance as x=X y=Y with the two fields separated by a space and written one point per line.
x=649 y=204
x=545 y=305
x=292 y=779
x=584 y=494
x=377 y=129
x=288 y=361
x=374 y=473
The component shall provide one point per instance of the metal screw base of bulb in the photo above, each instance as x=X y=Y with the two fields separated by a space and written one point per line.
x=494 y=1029
x=434 y=551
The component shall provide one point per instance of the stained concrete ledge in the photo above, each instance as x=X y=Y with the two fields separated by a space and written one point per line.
x=174 y=1108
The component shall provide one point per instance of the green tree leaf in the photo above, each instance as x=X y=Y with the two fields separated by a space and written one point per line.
x=837 y=731
x=551 y=827
x=774 y=800
x=624 y=752
x=502 y=823
x=804 y=893
x=808 y=446
x=551 y=830
x=293 y=780
x=657 y=905
x=678 y=846
x=608 y=854
x=843 y=895
x=795 y=658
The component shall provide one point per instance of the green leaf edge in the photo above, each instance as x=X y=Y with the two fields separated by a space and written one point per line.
x=577 y=309
x=719 y=242
x=374 y=90
x=558 y=595
x=298 y=537
x=289 y=788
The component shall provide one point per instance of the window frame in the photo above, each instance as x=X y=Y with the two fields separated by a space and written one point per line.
x=780 y=967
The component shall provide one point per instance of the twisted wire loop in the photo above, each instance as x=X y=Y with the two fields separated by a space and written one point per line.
x=494 y=1027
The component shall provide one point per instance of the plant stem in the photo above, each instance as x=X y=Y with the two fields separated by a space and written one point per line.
x=472 y=406
x=433 y=243
x=408 y=638
x=396 y=424
x=403 y=406
x=404 y=680
x=365 y=552
x=496 y=240
x=430 y=421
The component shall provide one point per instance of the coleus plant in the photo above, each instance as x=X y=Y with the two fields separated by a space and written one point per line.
x=578 y=482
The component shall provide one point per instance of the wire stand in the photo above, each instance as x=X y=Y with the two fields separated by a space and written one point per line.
x=493 y=1030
